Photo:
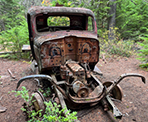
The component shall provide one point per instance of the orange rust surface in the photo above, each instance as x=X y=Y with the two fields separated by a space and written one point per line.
x=57 y=52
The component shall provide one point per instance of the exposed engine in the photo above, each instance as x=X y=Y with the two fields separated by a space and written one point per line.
x=77 y=76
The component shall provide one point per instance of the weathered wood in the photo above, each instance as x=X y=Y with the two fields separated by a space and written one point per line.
x=3 y=53
x=26 y=48
x=11 y=74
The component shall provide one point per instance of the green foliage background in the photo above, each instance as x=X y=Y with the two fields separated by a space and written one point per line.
x=14 y=37
x=131 y=21
x=14 y=30
x=132 y=18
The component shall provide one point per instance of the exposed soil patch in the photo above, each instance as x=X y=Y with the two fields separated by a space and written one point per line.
x=135 y=94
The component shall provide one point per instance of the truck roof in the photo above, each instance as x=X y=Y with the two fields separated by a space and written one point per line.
x=58 y=10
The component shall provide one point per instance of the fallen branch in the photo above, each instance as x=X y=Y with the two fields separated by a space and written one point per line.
x=3 y=53
x=103 y=58
x=11 y=74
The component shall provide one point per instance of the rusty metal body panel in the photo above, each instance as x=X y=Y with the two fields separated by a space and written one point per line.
x=52 y=45
x=63 y=34
x=57 y=52
x=38 y=9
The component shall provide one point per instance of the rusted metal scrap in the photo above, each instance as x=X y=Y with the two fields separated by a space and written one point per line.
x=98 y=96
x=65 y=56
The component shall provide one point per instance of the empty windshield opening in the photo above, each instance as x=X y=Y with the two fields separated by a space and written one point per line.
x=58 y=21
x=50 y=23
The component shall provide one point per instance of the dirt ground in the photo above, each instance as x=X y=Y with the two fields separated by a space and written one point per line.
x=134 y=105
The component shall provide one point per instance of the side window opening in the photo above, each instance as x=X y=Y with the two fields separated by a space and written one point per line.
x=90 y=24
x=41 y=24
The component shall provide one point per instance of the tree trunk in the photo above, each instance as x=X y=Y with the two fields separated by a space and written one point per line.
x=111 y=20
x=2 y=25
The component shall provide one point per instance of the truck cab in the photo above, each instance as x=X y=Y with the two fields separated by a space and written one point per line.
x=59 y=34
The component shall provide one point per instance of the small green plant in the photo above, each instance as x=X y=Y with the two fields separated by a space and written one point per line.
x=122 y=48
x=32 y=114
x=47 y=92
x=53 y=112
x=23 y=93
x=144 y=66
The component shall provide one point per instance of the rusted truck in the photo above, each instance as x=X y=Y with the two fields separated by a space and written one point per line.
x=65 y=47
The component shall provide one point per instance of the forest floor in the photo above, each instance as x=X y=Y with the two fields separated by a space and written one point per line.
x=133 y=105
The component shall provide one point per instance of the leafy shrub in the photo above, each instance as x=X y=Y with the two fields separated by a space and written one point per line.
x=53 y=112
x=116 y=46
x=14 y=38
x=47 y=92
x=65 y=3
x=144 y=66
x=143 y=52
x=23 y=93
x=132 y=18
